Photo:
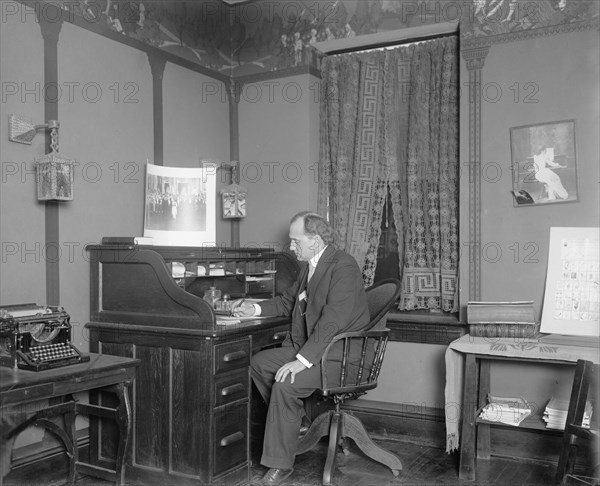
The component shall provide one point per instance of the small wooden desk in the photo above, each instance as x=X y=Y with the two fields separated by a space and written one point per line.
x=467 y=399
x=103 y=372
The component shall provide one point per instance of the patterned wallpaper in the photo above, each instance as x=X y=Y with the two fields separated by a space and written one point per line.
x=268 y=35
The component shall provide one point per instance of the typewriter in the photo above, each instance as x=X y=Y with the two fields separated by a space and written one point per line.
x=36 y=338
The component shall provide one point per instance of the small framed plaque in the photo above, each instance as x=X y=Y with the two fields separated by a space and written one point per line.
x=54 y=177
x=234 y=201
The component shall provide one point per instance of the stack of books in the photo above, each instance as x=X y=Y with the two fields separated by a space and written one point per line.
x=555 y=414
x=502 y=319
x=510 y=411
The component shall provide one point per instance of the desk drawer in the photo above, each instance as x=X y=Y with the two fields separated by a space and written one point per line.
x=26 y=394
x=269 y=337
x=231 y=387
x=230 y=447
x=232 y=356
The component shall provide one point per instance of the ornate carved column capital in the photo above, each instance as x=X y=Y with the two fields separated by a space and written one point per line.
x=157 y=66
x=50 y=19
x=475 y=58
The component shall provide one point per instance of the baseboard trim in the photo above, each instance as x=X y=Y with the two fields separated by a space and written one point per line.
x=408 y=422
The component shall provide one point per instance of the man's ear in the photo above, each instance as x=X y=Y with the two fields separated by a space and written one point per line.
x=318 y=241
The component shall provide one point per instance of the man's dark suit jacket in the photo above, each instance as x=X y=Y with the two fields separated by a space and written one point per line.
x=336 y=302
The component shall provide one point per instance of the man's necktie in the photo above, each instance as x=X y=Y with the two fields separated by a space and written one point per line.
x=303 y=302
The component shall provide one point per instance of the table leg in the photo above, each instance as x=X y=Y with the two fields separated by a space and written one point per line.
x=124 y=424
x=468 y=427
x=483 y=430
x=71 y=430
x=121 y=414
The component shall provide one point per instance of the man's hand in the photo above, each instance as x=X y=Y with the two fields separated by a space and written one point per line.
x=242 y=309
x=292 y=368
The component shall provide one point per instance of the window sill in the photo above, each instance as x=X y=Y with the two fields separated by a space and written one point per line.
x=426 y=327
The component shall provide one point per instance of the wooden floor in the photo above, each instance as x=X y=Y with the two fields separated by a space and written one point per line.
x=422 y=466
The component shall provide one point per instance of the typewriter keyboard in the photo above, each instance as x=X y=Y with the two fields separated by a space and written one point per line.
x=52 y=352
x=46 y=356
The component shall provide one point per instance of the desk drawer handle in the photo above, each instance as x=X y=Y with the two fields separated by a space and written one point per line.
x=230 y=439
x=234 y=356
x=230 y=390
x=278 y=336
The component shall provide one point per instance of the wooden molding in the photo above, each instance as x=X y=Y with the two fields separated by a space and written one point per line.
x=488 y=40
x=387 y=38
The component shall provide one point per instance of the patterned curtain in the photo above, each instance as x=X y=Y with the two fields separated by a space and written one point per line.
x=429 y=180
x=355 y=161
x=389 y=124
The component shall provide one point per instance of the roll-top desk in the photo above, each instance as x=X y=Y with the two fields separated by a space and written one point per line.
x=191 y=399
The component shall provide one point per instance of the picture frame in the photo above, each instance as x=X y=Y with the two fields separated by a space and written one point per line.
x=234 y=201
x=55 y=178
x=544 y=163
x=180 y=205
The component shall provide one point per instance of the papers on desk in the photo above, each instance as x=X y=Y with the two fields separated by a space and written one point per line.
x=509 y=411
x=231 y=320
x=228 y=320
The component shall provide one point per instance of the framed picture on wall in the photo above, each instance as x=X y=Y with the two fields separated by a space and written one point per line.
x=544 y=163
x=180 y=205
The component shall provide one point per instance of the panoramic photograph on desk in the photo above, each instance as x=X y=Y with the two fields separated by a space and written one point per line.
x=180 y=205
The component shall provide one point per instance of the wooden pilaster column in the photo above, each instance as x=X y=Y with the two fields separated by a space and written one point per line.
x=233 y=96
x=157 y=67
x=475 y=59
x=50 y=24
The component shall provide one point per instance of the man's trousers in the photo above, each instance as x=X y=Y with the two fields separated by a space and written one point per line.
x=286 y=407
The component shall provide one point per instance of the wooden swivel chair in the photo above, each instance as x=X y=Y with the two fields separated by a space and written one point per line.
x=353 y=383
x=584 y=376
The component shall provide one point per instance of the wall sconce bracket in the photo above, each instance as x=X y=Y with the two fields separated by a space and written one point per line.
x=55 y=180
x=21 y=130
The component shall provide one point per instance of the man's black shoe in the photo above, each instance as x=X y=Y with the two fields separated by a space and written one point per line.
x=304 y=426
x=275 y=476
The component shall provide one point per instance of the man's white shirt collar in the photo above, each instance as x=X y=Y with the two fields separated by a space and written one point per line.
x=314 y=260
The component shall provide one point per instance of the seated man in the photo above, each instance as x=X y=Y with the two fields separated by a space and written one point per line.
x=327 y=298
